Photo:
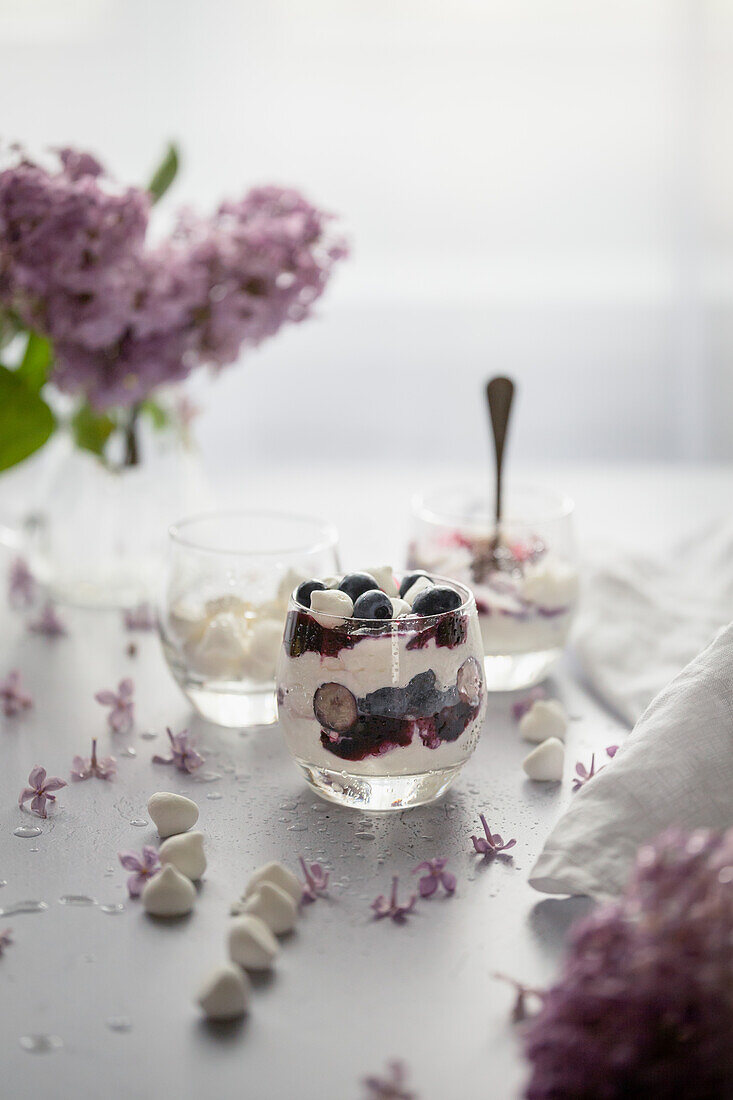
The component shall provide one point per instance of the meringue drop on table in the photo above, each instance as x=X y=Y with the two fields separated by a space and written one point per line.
x=229 y=578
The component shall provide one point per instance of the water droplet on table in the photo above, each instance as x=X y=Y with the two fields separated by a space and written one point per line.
x=289 y=806
x=3 y=882
x=119 y=1023
x=208 y=777
x=129 y=751
x=27 y=832
x=148 y=735
x=138 y=823
x=299 y=827
x=364 y=836
x=41 y=1044
x=113 y=908
x=214 y=796
x=24 y=907
x=77 y=899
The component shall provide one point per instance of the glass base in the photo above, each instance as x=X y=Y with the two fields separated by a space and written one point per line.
x=382 y=792
x=518 y=670
x=234 y=710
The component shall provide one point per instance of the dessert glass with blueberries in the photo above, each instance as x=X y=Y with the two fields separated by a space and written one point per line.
x=524 y=576
x=380 y=686
x=228 y=581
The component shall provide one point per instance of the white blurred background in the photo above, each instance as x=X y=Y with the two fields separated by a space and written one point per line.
x=537 y=187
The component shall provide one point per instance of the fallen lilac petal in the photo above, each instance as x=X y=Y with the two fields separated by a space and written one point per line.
x=183 y=754
x=13 y=697
x=21 y=584
x=122 y=714
x=39 y=790
x=48 y=622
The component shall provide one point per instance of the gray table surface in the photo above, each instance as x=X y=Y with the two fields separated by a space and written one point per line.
x=348 y=992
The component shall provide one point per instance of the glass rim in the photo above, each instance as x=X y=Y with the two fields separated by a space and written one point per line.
x=328 y=532
x=468 y=604
x=561 y=507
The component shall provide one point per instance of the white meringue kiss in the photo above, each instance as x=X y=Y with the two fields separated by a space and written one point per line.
x=384 y=577
x=278 y=874
x=186 y=853
x=172 y=813
x=545 y=763
x=272 y=905
x=225 y=993
x=251 y=943
x=545 y=718
x=332 y=603
x=168 y=894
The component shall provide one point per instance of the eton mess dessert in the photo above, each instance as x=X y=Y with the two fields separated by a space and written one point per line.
x=380 y=685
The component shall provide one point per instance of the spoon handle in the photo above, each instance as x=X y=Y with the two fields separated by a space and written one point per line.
x=499 y=393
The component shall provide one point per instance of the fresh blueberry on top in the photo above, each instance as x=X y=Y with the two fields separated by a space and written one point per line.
x=436 y=601
x=373 y=605
x=409 y=580
x=356 y=584
x=304 y=590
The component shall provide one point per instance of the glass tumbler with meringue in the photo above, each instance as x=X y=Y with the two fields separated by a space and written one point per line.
x=380 y=686
x=524 y=577
x=228 y=580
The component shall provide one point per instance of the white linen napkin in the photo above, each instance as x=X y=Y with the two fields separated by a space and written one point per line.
x=675 y=769
x=642 y=619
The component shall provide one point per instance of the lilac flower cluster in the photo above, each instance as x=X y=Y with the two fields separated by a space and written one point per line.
x=125 y=318
x=645 y=1004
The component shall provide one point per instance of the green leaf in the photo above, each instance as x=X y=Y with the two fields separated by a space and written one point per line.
x=91 y=430
x=36 y=361
x=26 y=421
x=164 y=174
x=160 y=417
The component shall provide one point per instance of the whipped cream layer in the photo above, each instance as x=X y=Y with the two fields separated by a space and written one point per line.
x=396 y=677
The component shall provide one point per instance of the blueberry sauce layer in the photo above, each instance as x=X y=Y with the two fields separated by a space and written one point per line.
x=390 y=717
x=303 y=634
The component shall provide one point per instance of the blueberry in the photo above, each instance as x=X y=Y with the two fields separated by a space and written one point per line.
x=409 y=580
x=387 y=701
x=335 y=707
x=303 y=591
x=356 y=584
x=422 y=695
x=373 y=605
x=436 y=601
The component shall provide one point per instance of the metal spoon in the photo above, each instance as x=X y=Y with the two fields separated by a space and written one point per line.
x=499 y=394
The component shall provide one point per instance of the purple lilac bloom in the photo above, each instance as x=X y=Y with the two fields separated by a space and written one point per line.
x=21 y=584
x=583 y=774
x=392 y=1086
x=435 y=875
x=143 y=867
x=183 y=754
x=125 y=318
x=103 y=767
x=13 y=697
x=48 y=622
x=644 y=1003
x=389 y=907
x=316 y=880
x=491 y=844
x=122 y=713
x=39 y=790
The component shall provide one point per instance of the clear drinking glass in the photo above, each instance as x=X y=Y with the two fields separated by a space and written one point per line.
x=229 y=577
x=382 y=714
x=525 y=583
